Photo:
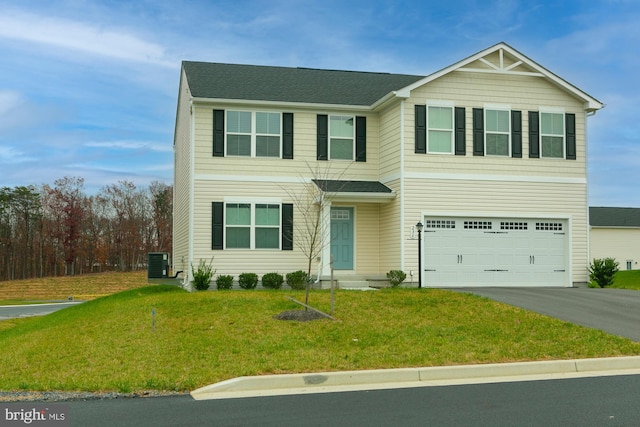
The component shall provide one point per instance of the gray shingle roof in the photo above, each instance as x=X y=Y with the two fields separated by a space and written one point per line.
x=340 y=186
x=306 y=85
x=614 y=217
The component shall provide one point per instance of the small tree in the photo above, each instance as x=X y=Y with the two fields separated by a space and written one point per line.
x=202 y=275
x=602 y=271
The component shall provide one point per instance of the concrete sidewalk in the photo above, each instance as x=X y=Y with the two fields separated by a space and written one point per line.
x=329 y=382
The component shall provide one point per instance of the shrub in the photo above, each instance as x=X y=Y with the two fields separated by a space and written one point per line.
x=248 y=280
x=202 y=275
x=297 y=280
x=602 y=271
x=396 y=277
x=224 y=282
x=272 y=280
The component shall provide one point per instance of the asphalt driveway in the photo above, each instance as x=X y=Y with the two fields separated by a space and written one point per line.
x=616 y=311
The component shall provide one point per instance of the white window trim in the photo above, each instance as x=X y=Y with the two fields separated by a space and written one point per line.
x=252 y=225
x=254 y=133
x=353 y=137
x=445 y=104
x=553 y=110
x=497 y=107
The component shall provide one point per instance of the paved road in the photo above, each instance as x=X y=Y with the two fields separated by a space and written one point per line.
x=13 y=311
x=616 y=311
x=584 y=402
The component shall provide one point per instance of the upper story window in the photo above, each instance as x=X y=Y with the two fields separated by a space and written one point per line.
x=439 y=129
x=341 y=137
x=253 y=134
x=552 y=135
x=497 y=132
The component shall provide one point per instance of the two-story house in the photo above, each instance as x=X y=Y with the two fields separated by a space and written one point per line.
x=488 y=155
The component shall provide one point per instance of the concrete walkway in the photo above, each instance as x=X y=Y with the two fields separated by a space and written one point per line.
x=616 y=311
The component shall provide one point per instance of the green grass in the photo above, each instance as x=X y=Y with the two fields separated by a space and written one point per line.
x=201 y=338
x=627 y=279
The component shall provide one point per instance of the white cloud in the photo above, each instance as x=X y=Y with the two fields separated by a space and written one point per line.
x=72 y=35
x=10 y=155
x=9 y=100
x=131 y=145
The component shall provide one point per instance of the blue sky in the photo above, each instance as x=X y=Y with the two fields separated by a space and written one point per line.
x=88 y=88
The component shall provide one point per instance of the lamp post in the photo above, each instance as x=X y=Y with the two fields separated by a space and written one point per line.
x=419 y=228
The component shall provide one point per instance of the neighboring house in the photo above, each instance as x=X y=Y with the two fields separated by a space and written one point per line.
x=488 y=154
x=615 y=233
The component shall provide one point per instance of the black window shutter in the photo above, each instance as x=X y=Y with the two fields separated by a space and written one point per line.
x=287 y=135
x=218 y=133
x=217 y=225
x=570 y=129
x=516 y=134
x=460 y=126
x=361 y=139
x=421 y=129
x=534 y=135
x=322 y=133
x=287 y=227
x=478 y=132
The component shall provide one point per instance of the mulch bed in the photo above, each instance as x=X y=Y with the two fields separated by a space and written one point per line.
x=299 y=315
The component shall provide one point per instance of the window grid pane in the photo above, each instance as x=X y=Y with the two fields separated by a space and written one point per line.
x=267 y=214
x=551 y=124
x=341 y=149
x=497 y=144
x=497 y=121
x=441 y=118
x=268 y=123
x=552 y=146
x=239 y=121
x=238 y=214
x=267 y=238
x=238 y=237
x=341 y=126
x=440 y=141
x=267 y=146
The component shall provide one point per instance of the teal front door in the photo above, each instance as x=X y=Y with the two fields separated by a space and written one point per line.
x=342 y=238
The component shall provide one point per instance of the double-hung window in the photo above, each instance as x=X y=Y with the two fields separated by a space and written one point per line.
x=497 y=132
x=252 y=226
x=439 y=129
x=552 y=134
x=341 y=137
x=253 y=134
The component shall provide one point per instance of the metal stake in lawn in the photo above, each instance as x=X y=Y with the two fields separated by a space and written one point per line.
x=331 y=265
x=153 y=319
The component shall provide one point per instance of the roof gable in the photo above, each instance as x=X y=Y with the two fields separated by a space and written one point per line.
x=503 y=59
x=614 y=217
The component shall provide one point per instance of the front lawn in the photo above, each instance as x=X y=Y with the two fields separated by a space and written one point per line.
x=116 y=343
x=627 y=279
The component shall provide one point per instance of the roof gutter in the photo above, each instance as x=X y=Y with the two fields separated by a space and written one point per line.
x=296 y=105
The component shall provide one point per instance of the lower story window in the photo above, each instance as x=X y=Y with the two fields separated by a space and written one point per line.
x=252 y=226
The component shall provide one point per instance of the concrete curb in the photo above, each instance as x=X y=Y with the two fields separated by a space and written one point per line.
x=325 y=382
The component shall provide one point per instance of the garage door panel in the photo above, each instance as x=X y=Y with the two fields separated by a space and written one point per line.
x=495 y=252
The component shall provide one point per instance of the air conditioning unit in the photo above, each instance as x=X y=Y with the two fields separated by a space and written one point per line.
x=158 y=265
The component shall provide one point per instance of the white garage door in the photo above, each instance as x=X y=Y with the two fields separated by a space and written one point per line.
x=494 y=252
